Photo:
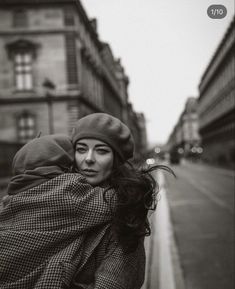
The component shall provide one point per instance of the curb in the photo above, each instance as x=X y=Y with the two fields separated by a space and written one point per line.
x=161 y=249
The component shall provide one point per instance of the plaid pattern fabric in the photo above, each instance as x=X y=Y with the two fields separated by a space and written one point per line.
x=43 y=230
x=108 y=267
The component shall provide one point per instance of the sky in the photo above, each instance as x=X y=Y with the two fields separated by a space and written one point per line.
x=164 y=47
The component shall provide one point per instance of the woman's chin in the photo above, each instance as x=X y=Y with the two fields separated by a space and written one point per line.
x=92 y=180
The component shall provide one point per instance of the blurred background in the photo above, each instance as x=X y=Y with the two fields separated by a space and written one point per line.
x=172 y=83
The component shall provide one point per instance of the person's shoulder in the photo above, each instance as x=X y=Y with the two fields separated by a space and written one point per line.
x=67 y=182
x=71 y=178
x=74 y=184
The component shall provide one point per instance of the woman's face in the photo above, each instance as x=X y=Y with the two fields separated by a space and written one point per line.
x=94 y=160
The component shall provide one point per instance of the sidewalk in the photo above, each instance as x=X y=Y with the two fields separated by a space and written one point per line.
x=163 y=269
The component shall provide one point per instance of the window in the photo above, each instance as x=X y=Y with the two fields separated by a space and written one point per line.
x=23 y=71
x=22 y=53
x=26 y=127
x=69 y=17
x=20 y=18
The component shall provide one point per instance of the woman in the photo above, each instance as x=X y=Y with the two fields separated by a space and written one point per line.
x=103 y=145
x=67 y=230
x=48 y=215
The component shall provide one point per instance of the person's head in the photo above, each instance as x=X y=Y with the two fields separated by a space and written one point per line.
x=101 y=141
x=45 y=151
x=39 y=160
x=94 y=159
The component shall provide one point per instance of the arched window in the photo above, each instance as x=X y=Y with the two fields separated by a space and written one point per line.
x=26 y=127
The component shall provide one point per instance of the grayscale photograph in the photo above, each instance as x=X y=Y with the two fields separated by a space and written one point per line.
x=117 y=144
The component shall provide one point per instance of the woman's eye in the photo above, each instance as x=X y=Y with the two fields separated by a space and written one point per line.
x=102 y=151
x=81 y=150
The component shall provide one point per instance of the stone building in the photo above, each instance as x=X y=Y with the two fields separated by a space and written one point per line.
x=216 y=103
x=54 y=70
x=185 y=139
x=189 y=120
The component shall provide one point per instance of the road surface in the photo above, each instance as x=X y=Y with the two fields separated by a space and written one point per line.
x=201 y=202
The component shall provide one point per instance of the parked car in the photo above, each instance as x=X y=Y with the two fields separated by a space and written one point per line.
x=174 y=158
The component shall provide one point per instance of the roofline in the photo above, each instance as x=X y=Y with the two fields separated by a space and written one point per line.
x=225 y=36
x=10 y=3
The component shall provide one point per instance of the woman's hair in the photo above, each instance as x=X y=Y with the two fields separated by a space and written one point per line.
x=136 y=191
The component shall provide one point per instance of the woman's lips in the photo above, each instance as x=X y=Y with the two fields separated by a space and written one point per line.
x=89 y=173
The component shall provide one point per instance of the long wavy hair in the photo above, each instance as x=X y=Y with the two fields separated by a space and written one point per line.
x=136 y=190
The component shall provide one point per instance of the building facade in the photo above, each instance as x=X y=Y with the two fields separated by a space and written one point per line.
x=184 y=140
x=55 y=70
x=216 y=104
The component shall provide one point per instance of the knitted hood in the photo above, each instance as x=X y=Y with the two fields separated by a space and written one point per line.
x=40 y=160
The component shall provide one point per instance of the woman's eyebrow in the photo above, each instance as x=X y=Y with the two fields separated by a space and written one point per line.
x=80 y=143
x=102 y=145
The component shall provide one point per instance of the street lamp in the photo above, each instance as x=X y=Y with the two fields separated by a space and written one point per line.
x=49 y=86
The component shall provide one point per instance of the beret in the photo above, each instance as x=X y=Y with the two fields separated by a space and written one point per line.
x=109 y=129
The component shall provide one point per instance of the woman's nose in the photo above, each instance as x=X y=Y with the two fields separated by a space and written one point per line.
x=90 y=157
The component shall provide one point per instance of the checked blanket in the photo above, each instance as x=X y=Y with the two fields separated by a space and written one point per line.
x=43 y=230
x=109 y=267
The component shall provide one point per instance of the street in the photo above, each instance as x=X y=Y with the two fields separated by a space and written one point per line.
x=201 y=202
